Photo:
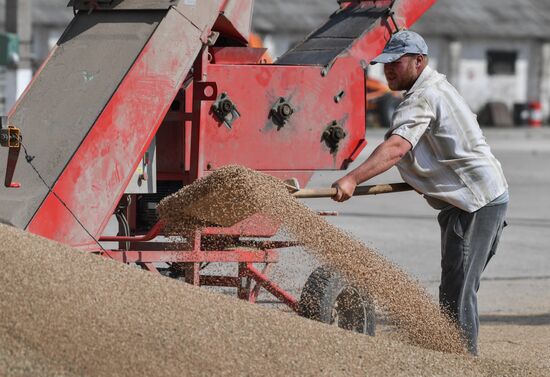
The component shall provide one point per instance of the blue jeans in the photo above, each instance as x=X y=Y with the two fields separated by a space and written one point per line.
x=468 y=241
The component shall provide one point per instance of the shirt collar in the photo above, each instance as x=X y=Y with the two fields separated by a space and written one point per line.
x=424 y=76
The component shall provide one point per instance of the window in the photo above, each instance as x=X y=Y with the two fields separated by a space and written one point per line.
x=501 y=62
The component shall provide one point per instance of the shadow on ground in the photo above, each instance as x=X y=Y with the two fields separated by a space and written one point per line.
x=511 y=319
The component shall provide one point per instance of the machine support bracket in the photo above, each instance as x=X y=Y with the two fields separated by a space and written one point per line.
x=225 y=110
x=391 y=15
x=332 y=135
x=281 y=112
x=10 y=137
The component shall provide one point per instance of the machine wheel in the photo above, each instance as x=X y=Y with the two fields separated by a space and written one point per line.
x=327 y=298
x=386 y=107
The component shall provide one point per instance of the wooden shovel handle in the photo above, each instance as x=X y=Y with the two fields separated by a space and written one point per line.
x=329 y=192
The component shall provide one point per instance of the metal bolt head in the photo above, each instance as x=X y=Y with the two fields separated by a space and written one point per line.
x=226 y=106
x=339 y=133
x=285 y=110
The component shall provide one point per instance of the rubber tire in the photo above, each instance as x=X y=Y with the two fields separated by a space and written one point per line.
x=326 y=294
x=386 y=107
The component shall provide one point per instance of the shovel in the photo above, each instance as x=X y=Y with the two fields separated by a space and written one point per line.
x=327 y=192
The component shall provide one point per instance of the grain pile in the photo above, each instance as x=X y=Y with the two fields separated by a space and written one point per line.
x=234 y=192
x=66 y=313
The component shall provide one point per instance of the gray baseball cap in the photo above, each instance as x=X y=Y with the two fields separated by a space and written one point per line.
x=401 y=43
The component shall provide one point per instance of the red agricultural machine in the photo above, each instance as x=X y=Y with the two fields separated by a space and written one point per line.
x=142 y=97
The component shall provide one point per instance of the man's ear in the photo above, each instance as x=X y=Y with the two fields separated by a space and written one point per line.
x=419 y=60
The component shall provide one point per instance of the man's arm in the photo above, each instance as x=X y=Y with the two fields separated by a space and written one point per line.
x=382 y=158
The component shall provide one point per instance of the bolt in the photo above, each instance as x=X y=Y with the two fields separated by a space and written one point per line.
x=285 y=110
x=226 y=106
x=339 y=133
x=338 y=97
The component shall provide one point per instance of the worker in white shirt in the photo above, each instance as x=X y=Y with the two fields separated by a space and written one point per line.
x=439 y=149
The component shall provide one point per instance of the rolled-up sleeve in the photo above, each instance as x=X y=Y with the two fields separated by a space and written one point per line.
x=411 y=119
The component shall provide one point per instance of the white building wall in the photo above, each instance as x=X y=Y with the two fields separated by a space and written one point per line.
x=478 y=87
x=467 y=71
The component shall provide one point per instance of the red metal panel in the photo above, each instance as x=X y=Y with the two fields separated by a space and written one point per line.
x=237 y=55
x=256 y=142
x=171 y=141
x=199 y=113
x=235 y=19
x=201 y=13
x=406 y=12
x=95 y=178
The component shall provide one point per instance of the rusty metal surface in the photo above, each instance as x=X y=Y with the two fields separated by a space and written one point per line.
x=237 y=55
x=96 y=176
x=202 y=14
x=334 y=37
x=235 y=19
x=257 y=141
x=67 y=96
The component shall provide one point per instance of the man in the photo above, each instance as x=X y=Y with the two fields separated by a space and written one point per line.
x=439 y=149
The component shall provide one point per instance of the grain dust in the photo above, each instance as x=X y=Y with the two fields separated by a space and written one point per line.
x=232 y=193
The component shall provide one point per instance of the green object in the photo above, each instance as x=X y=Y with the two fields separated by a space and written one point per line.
x=9 y=49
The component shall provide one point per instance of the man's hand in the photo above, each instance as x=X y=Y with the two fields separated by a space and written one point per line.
x=345 y=186
x=382 y=158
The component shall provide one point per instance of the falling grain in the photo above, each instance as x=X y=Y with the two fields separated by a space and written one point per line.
x=233 y=193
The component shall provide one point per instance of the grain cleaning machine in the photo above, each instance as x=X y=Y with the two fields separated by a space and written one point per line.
x=141 y=97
